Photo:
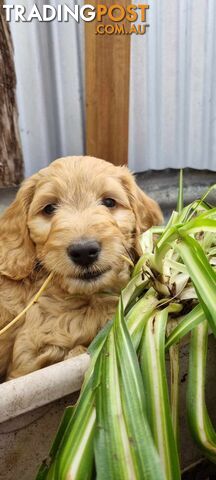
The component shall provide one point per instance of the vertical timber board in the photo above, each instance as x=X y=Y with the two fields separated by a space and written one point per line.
x=11 y=161
x=107 y=62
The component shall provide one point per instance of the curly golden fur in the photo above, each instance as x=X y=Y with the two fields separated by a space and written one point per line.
x=35 y=242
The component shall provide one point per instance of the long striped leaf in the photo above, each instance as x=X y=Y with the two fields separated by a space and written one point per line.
x=139 y=314
x=202 y=275
x=156 y=390
x=180 y=200
x=74 y=455
x=199 y=421
x=133 y=399
x=189 y=321
x=202 y=200
x=112 y=448
x=174 y=390
x=133 y=289
x=197 y=225
x=72 y=451
x=123 y=443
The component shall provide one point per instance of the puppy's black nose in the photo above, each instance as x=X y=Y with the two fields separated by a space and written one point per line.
x=84 y=252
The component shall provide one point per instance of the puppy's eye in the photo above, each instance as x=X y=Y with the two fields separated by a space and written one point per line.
x=50 y=209
x=109 y=202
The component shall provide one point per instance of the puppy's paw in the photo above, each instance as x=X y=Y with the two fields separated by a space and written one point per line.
x=76 y=351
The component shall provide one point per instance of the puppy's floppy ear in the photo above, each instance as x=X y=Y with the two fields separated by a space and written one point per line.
x=147 y=211
x=17 y=251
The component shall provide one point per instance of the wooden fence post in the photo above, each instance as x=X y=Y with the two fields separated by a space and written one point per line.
x=107 y=92
x=11 y=162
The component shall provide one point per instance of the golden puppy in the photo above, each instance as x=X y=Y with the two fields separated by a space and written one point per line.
x=77 y=218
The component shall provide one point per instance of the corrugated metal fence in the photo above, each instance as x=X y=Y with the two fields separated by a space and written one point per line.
x=173 y=87
x=172 y=119
x=49 y=61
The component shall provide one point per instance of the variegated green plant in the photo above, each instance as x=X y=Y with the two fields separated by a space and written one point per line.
x=125 y=424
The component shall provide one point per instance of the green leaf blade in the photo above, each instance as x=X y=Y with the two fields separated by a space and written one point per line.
x=202 y=275
x=191 y=320
x=198 y=418
x=144 y=454
x=112 y=449
x=157 y=398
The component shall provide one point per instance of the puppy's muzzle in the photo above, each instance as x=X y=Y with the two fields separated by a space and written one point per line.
x=84 y=252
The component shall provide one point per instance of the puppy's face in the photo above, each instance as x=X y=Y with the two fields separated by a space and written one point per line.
x=84 y=218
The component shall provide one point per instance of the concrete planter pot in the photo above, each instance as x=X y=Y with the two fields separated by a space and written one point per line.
x=31 y=408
